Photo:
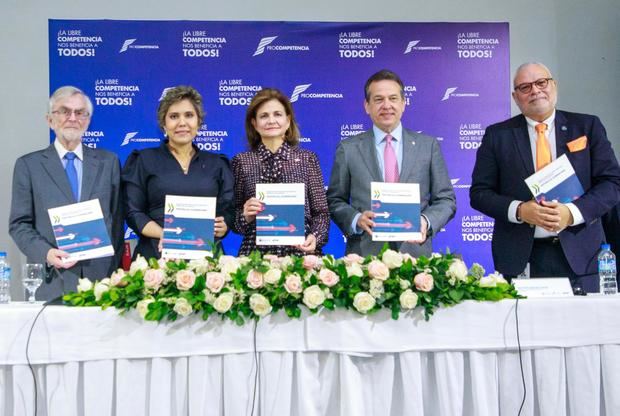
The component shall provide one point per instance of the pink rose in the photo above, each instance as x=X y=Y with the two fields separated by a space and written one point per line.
x=215 y=281
x=311 y=262
x=116 y=278
x=351 y=258
x=293 y=284
x=153 y=278
x=328 y=277
x=254 y=279
x=270 y=257
x=423 y=282
x=185 y=279
x=378 y=270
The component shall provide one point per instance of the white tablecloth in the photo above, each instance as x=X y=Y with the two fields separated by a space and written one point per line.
x=464 y=361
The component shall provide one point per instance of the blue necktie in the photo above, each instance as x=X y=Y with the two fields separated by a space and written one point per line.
x=72 y=175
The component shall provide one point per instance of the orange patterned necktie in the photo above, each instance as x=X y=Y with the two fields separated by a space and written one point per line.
x=543 y=153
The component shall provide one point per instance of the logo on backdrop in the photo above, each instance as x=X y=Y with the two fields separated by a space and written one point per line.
x=75 y=43
x=472 y=45
x=470 y=136
x=476 y=228
x=413 y=46
x=457 y=185
x=111 y=92
x=265 y=44
x=300 y=92
x=349 y=130
x=130 y=44
x=409 y=90
x=451 y=93
x=91 y=138
x=131 y=138
x=198 y=44
x=352 y=45
x=234 y=92
x=210 y=140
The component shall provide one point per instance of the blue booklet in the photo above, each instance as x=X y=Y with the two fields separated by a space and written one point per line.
x=80 y=230
x=555 y=182
x=282 y=222
x=397 y=211
x=188 y=227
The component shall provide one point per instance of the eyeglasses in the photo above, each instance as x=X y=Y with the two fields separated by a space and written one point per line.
x=526 y=87
x=65 y=112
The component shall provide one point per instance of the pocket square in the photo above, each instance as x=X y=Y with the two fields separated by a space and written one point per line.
x=577 y=144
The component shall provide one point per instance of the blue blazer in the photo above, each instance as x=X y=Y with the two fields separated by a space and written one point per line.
x=504 y=160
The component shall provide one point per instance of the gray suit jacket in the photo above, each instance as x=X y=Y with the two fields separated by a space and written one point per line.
x=39 y=183
x=355 y=166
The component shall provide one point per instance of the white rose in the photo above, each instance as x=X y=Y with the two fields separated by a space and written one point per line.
x=392 y=259
x=313 y=297
x=224 y=302
x=215 y=281
x=404 y=284
x=436 y=256
x=229 y=268
x=487 y=281
x=139 y=263
x=376 y=288
x=260 y=305
x=182 y=307
x=100 y=289
x=378 y=270
x=272 y=276
x=143 y=306
x=408 y=299
x=84 y=285
x=363 y=302
x=407 y=256
x=199 y=266
x=355 y=270
x=285 y=262
x=498 y=277
x=457 y=270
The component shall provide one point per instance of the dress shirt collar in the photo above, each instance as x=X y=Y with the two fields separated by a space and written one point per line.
x=397 y=133
x=60 y=149
x=549 y=122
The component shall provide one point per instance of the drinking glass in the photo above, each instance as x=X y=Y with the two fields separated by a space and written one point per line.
x=32 y=277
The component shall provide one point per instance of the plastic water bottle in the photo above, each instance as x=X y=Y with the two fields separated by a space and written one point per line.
x=607 y=271
x=5 y=279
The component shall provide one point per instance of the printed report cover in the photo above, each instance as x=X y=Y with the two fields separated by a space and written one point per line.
x=397 y=211
x=80 y=230
x=188 y=227
x=556 y=181
x=282 y=221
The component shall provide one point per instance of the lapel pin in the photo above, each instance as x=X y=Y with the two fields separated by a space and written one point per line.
x=413 y=142
x=563 y=128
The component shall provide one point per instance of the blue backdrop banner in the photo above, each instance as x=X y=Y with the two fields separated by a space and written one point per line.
x=456 y=77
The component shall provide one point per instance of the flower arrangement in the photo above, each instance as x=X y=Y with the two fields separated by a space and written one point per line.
x=243 y=288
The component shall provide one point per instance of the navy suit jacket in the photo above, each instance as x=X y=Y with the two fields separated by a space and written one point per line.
x=40 y=183
x=504 y=160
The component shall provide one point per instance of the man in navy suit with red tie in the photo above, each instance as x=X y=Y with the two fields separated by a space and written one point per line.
x=554 y=239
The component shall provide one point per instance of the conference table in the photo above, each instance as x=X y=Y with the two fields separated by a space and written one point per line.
x=466 y=360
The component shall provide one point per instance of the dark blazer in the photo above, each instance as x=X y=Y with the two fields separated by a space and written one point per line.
x=40 y=183
x=504 y=160
x=355 y=166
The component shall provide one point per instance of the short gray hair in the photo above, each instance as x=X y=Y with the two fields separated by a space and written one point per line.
x=68 y=91
x=528 y=64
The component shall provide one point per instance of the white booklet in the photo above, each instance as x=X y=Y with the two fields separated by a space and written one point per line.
x=80 y=230
x=188 y=227
x=282 y=221
x=555 y=182
x=397 y=211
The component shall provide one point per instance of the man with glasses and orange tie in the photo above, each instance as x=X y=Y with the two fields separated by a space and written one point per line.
x=549 y=239
x=64 y=173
